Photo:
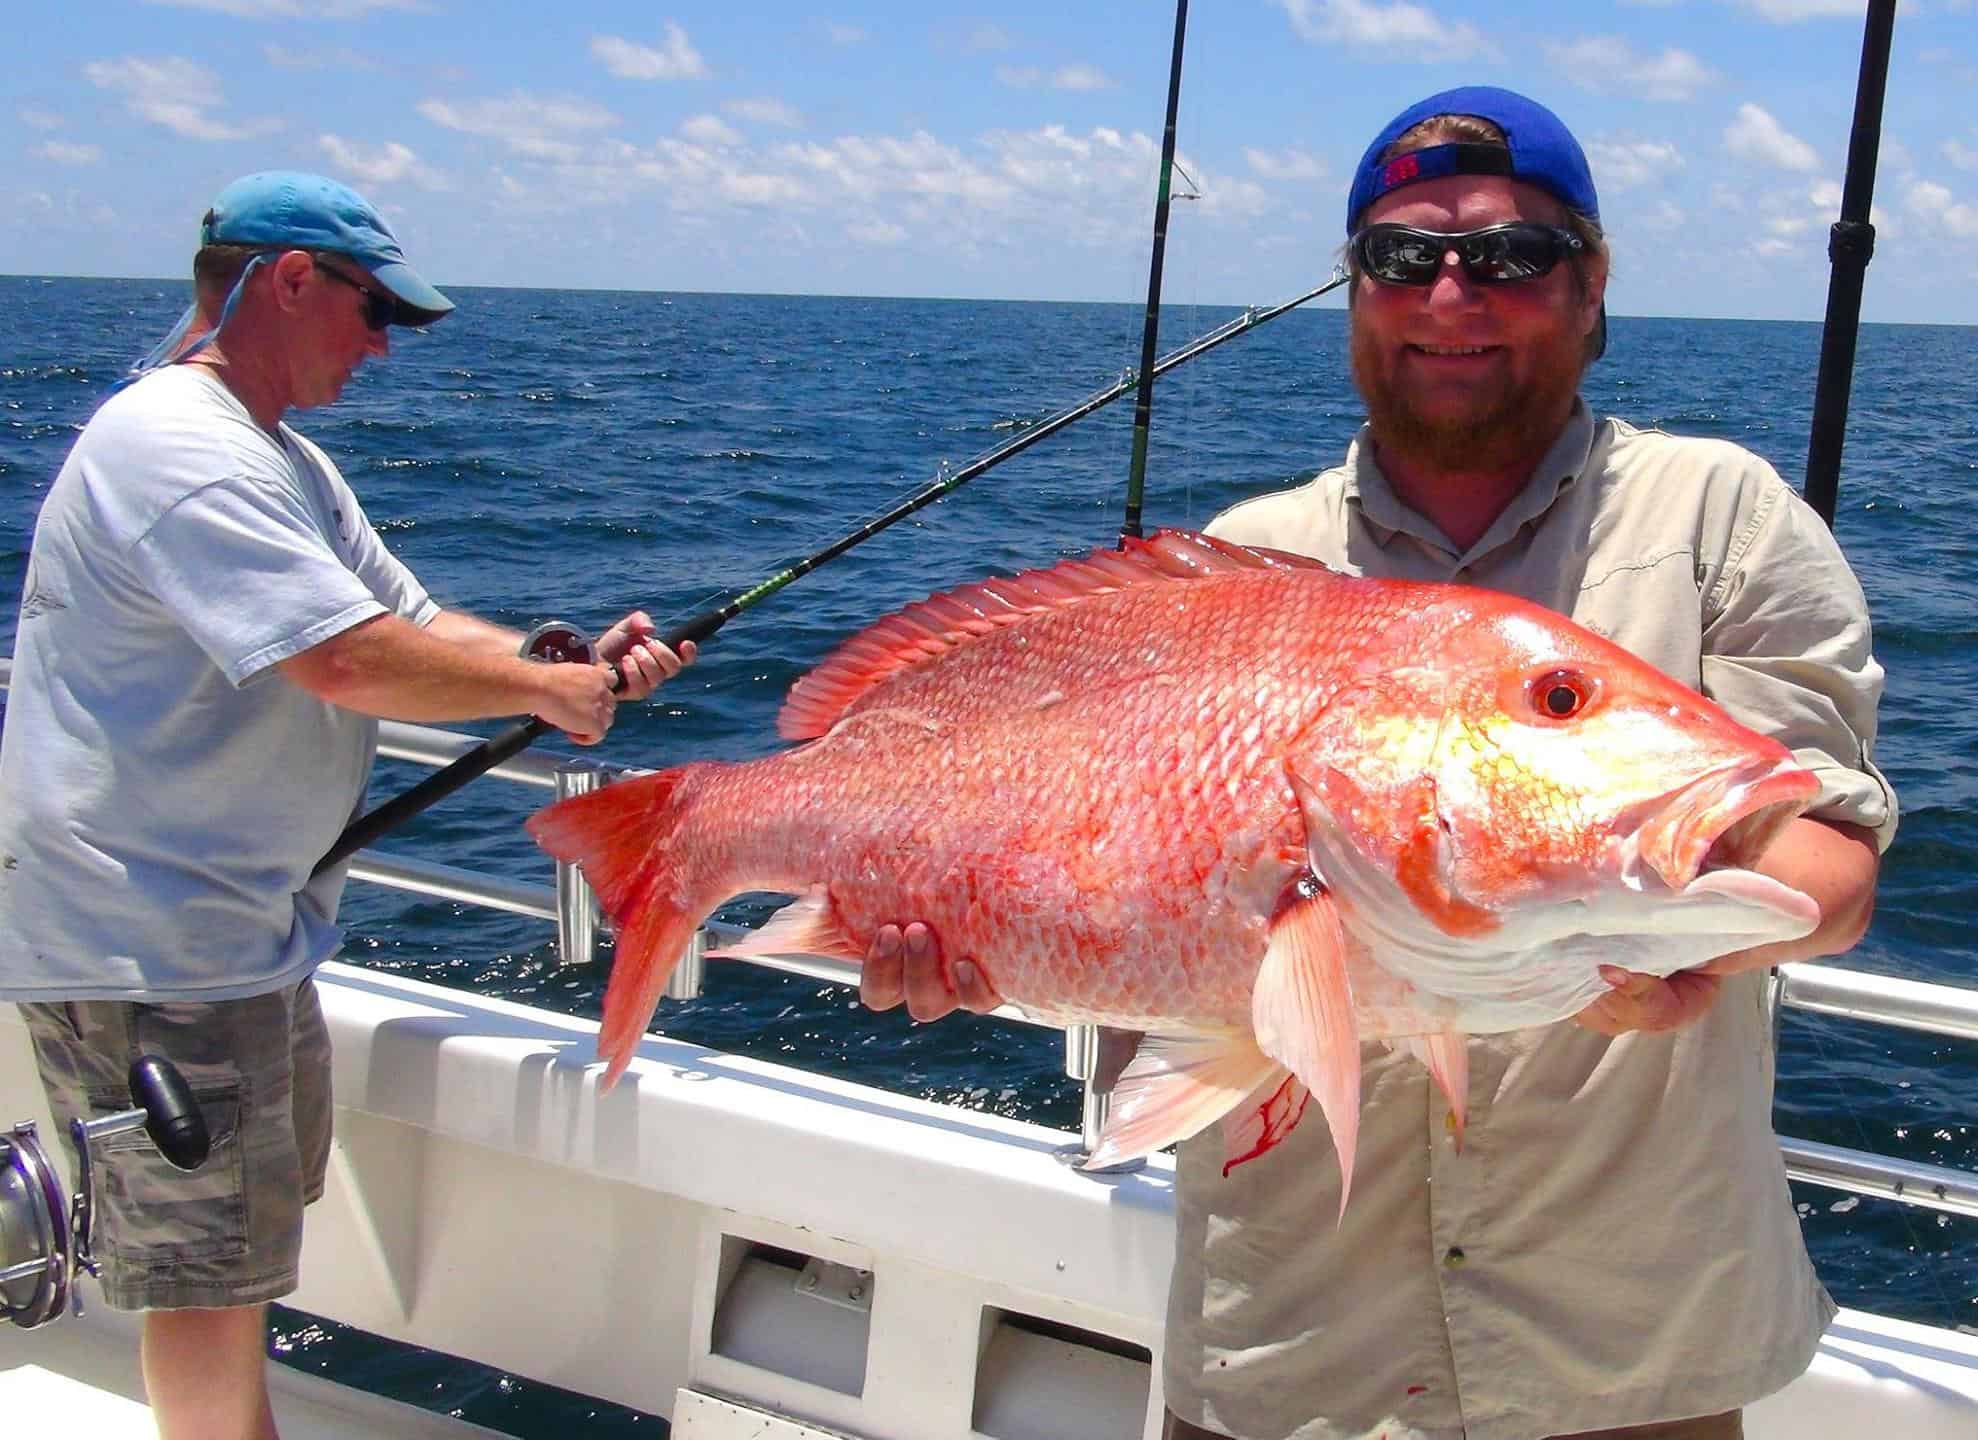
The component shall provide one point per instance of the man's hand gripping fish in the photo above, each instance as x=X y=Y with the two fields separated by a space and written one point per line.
x=1258 y=809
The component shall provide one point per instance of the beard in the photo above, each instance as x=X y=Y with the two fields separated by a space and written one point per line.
x=1499 y=429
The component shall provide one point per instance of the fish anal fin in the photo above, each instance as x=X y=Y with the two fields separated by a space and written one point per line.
x=1302 y=1011
x=958 y=617
x=1254 y=1128
x=808 y=925
x=1175 y=1087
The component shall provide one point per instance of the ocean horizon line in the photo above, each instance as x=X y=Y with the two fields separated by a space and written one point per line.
x=1171 y=302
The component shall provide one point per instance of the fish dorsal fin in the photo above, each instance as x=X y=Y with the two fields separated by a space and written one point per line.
x=956 y=617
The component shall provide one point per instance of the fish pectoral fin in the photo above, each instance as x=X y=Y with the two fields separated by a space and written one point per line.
x=807 y=926
x=1175 y=1087
x=1302 y=1011
x=1251 y=1129
x=1447 y=1056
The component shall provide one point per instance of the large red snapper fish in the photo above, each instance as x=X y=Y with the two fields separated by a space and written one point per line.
x=1229 y=797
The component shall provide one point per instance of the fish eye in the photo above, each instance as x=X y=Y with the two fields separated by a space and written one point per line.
x=1559 y=695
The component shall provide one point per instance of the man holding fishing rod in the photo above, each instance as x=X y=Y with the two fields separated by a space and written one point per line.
x=210 y=630
x=1611 y=1250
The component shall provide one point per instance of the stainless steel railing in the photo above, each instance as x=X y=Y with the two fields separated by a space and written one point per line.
x=1823 y=989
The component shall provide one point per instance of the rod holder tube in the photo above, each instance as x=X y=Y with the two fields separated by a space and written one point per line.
x=576 y=904
x=691 y=973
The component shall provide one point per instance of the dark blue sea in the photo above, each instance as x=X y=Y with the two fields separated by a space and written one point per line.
x=577 y=454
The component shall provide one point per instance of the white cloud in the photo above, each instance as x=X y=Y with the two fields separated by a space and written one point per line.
x=63 y=152
x=174 y=93
x=1607 y=64
x=1283 y=164
x=844 y=36
x=876 y=232
x=765 y=112
x=379 y=164
x=1629 y=164
x=1756 y=136
x=1065 y=77
x=629 y=60
x=529 y=125
x=988 y=37
x=341 y=58
x=710 y=130
x=1665 y=215
x=1937 y=204
x=1787 y=12
x=291 y=9
x=1963 y=156
x=1079 y=77
x=39 y=119
x=1395 y=30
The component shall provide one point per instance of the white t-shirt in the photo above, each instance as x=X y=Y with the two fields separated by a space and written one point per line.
x=163 y=792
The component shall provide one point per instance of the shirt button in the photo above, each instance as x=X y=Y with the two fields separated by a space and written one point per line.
x=1453 y=1257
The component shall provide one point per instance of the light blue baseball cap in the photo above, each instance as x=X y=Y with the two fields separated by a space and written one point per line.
x=293 y=210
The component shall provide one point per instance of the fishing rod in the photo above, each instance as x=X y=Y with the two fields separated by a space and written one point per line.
x=518 y=737
x=1143 y=407
x=1850 y=244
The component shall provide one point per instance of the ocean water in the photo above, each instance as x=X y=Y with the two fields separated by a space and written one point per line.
x=577 y=454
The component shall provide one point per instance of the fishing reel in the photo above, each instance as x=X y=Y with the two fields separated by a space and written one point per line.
x=44 y=1242
x=558 y=642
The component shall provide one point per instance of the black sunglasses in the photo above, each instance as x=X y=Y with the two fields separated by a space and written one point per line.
x=379 y=310
x=1494 y=255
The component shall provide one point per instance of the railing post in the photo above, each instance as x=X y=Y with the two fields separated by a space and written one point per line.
x=576 y=905
x=1088 y=1049
x=685 y=981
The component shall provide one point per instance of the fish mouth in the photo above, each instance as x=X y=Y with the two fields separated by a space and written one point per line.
x=1707 y=835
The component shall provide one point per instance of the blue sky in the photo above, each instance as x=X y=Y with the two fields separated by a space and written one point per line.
x=867 y=147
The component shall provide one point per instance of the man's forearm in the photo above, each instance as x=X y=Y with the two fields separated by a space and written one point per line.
x=458 y=628
x=1835 y=864
x=457 y=668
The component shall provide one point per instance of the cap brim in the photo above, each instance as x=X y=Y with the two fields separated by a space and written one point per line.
x=418 y=302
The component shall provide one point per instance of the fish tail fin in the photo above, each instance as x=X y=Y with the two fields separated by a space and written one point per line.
x=623 y=836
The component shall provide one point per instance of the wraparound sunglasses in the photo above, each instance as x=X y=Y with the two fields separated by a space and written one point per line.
x=1494 y=255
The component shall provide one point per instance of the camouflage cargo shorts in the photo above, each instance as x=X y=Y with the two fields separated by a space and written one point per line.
x=230 y=1232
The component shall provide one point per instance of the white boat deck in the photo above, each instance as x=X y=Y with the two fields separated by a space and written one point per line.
x=755 y=1250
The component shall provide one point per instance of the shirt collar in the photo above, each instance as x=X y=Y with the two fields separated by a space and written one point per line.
x=1387 y=515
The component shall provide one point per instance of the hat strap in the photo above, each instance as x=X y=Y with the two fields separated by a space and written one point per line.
x=166 y=351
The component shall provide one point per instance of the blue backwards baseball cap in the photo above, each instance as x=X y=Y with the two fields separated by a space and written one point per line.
x=290 y=210
x=1542 y=151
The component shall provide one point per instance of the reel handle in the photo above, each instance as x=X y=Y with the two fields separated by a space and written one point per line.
x=172 y=1118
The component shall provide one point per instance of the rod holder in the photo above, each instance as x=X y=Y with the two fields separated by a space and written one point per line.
x=688 y=976
x=576 y=903
x=1088 y=1048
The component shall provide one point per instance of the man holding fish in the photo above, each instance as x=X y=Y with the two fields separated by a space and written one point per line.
x=1593 y=1235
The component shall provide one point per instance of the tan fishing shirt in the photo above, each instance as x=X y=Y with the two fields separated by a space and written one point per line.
x=1615 y=1243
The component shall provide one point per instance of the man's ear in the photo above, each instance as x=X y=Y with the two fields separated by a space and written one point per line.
x=291 y=272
